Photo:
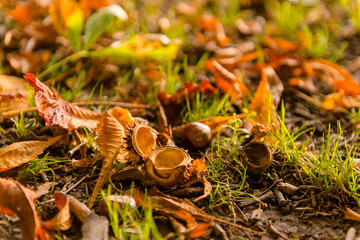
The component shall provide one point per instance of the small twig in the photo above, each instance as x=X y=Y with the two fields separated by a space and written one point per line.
x=221 y=231
x=17 y=112
x=118 y=104
x=271 y=187
x=261 y=199
x=77 y=184
x=274 y=230
x=284 y=204
x=72 y=187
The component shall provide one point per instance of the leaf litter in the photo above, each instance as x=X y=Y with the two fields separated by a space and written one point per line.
x=267 y=144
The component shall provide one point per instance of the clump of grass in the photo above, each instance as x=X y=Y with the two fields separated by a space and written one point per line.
x=225 y=169
x=129 y=222
x=23 y=125
x=287 y=16
x=37 y=166
x=201 y=107
x=320 y=43
x=329 y=169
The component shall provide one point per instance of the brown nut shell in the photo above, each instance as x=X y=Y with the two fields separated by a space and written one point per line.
x=256 y=156
x=165 y=166
x=143 y=139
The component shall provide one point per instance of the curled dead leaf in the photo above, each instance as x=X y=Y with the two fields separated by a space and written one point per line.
x=112 y=130
x=15 y=198
x=62 y=220
x=57 y=111
x=263 y=103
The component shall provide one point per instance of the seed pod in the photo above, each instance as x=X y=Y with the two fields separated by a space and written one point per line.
x=143 y=139
x=166 y=165
x=256 y=156
x=196 y=135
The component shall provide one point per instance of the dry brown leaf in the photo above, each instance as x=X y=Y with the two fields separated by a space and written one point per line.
x=173 y=205
x=227 y=81
x=20 y=200
x=62 y=220
x=10 y=84
x=339 y=101
x=19 y=153
x=112 y=130
x=352 y=215
x=262 y=102
x=57 y=111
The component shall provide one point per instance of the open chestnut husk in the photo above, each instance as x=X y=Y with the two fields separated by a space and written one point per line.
x=256 y=156
x=143 y=139
x=166 y=165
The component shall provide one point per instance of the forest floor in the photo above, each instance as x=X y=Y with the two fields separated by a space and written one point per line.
x=260 y=98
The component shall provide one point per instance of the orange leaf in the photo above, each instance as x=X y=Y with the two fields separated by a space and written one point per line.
x=26 y=13
x=280 y=44
x=21 y=200
x=352 y=215
x=89 y=5
x=62 y=12
x=200 y=229
x=337 y=76
x=111 y=132
x=57 y=111
x=19 y=153
x=349 y=86
x=62 y=220
x=262 y=102
x=227 y=81
x=338 y=101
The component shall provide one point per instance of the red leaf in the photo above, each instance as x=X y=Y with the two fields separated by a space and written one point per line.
x=57 y=111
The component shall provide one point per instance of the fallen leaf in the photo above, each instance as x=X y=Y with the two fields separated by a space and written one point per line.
x=338 y=101
x=89 y=5
x=352 y=215
x=174 y=206
x=68 y=19
x=57 y=111
x=280 y=44
x=26 y=12
x=112 y=130
x=20 y=200
x=19 y=153
x=200 y=229
x=262 y=102
x=227 y=81
x=62 y=220
x=11 y=84
x=23 y=61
